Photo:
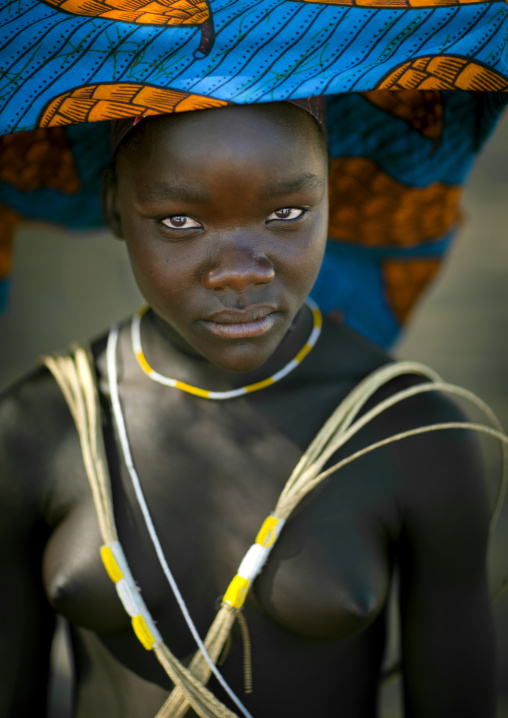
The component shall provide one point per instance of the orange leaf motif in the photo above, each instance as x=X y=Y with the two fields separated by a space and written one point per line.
x=442 y=72
x=369 y=207
x=405 y=280
x=111 y=101
x=421 y=109
x=143 y=12
x=396 y=3
x=9 y=220
x=38 y=158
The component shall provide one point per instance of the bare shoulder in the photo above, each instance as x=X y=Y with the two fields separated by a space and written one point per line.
x=442 y=491
x=34 y=423
x=439 y=473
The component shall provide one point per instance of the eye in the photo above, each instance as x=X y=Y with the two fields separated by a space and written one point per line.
x=286 y=214
x=180 y=221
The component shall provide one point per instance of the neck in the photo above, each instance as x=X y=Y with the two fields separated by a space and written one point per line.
x=169 y=355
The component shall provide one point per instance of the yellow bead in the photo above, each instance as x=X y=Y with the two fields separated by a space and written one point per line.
x=110 y=564
x=143 y=632
x=237 y=592
x=267 y=535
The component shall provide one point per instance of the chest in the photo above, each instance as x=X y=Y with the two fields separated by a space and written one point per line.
x=216 y=476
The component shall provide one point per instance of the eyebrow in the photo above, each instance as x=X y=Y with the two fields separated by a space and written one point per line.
x=309 y=181
x=163 y=191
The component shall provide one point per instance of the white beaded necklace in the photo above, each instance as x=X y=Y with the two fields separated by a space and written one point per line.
x=221 y=395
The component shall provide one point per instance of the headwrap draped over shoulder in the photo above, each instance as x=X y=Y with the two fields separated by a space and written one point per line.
x=413 y=89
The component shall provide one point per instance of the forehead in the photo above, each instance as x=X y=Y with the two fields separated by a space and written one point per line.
x=270 y=137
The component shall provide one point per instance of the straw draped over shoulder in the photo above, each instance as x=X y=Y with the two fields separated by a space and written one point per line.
x=413 y=89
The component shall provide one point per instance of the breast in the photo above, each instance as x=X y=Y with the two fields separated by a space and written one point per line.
x=321 y=582
x=327 y=577
x=74 y=578
x=326 y=580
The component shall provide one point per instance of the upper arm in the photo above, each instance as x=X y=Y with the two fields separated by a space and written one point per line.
x=447 y=632
x=26 y=619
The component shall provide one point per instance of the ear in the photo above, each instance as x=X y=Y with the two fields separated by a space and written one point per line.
x=110 y=213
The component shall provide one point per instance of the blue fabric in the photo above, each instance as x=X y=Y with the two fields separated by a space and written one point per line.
x=5 y=289
x=267 y=51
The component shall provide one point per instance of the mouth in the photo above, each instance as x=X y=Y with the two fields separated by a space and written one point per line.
x=241 y=324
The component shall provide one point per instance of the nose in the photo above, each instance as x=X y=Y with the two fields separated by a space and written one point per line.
x=237 y=268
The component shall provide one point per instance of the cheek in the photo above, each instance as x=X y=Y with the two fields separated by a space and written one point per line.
x=162 y=274
x=150 y=250
x=304 y=259
x=321 y=236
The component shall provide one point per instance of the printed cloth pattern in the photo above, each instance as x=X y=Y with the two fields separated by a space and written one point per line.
x=413 y=89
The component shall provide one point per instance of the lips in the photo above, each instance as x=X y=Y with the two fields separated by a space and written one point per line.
x=240 y=324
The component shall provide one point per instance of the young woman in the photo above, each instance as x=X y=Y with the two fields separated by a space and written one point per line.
x=224 y=216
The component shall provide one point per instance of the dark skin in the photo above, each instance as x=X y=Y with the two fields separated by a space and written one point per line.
x=225 y=257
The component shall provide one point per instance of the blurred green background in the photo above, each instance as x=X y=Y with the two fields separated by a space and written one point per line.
x=68 y=288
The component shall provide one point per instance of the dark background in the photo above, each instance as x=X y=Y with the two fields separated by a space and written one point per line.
x=69 y=289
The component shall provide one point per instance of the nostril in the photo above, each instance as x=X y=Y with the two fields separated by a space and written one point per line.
x=239 y=274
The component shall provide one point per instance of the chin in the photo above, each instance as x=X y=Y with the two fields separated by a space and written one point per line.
x=240 y=360
x=239 y=366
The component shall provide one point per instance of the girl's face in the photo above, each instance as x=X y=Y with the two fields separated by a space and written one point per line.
x=225 y=217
